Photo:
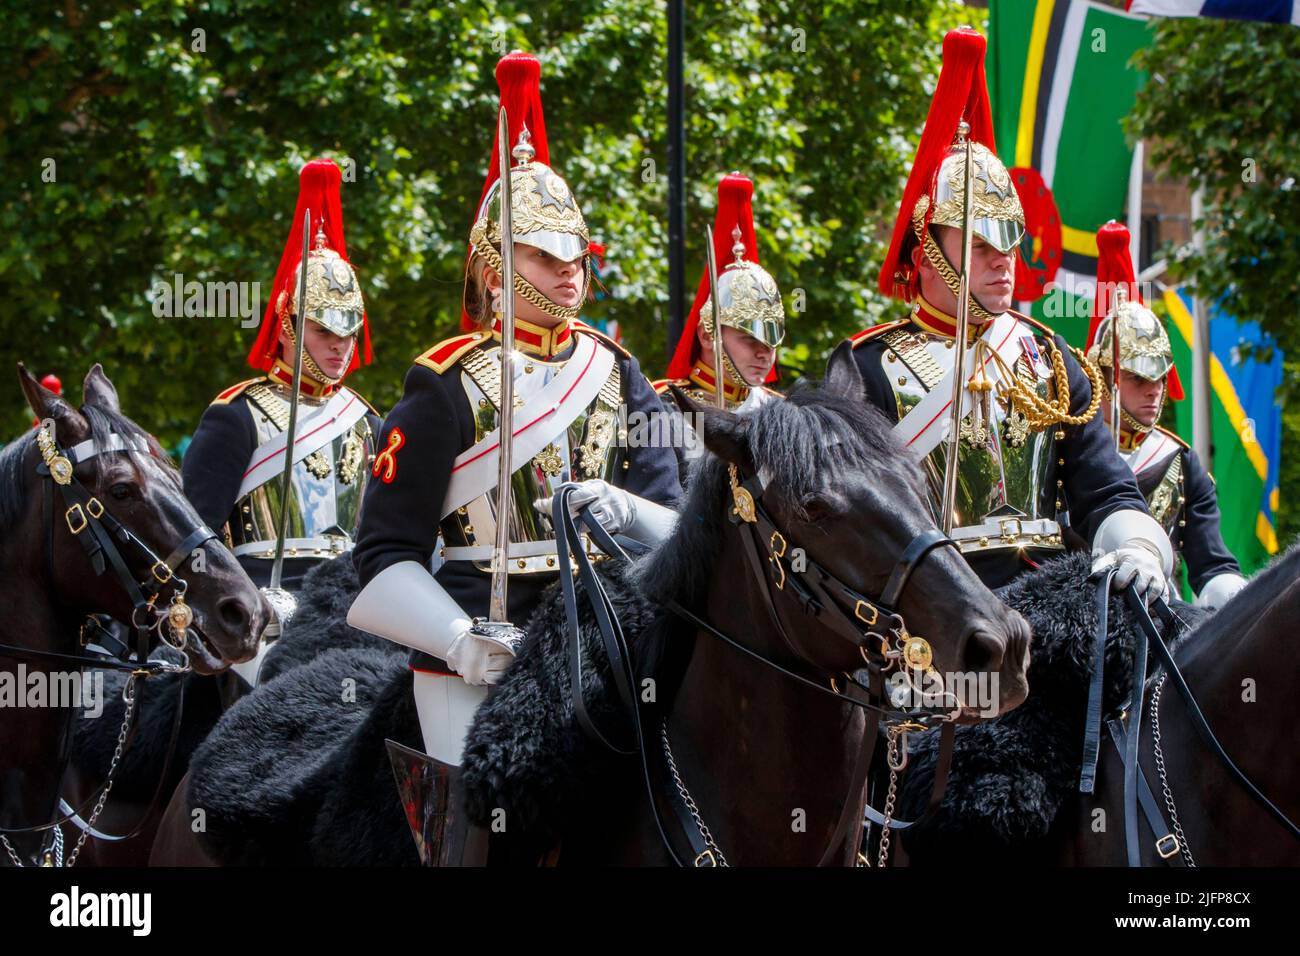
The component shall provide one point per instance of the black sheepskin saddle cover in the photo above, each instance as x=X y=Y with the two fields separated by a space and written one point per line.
x=297 y=772
x=1010 y=776
x=319 y=625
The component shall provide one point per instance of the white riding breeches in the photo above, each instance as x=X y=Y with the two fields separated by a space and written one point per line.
x=446 y=705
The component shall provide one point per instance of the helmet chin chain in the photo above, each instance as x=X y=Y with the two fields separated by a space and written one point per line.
x=951 y=279
x=526 y=290
x=309 y=366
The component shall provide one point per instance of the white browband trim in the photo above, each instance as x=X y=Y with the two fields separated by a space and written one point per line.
x=84 y=451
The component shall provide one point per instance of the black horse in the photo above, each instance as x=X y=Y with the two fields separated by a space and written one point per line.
x=768 y=759
x=1243 y=672
x=50 y=585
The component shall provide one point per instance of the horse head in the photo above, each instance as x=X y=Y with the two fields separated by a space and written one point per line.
x=845 y=498
x=139 y=491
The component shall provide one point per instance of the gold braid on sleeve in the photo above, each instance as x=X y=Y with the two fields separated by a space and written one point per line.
x=1042 y=413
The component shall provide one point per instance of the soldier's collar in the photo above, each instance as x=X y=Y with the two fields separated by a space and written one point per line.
x=282 y=374
x=1131 y=438
x=538 y=340
x=937 y=321
x=703 y=376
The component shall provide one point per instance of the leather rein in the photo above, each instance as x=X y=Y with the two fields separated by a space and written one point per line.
x=875 y=627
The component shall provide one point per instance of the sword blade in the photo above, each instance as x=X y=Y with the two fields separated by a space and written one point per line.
x=277 y=568
x=506 y=418
x=719 y=383
x=959 y=360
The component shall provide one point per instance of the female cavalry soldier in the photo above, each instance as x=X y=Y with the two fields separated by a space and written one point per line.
x=233 y=468
x=1030 y=443
x=437 y=466
x=749 y=310
x=1178 y=489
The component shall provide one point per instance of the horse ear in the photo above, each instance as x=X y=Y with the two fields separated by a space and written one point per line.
x=726 y=434
x=71 y=426
x=99 y=391
x=843 y=377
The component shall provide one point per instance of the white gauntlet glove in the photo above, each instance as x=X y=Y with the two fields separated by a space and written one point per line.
x=406 y=605
x=1219 y=589
x=1138 y=547
x=478 y=660
x=618 y=511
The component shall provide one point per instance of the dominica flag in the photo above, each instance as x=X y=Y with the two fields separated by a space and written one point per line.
x=1245 y=423
x=1266 y=11
x=1060 y=85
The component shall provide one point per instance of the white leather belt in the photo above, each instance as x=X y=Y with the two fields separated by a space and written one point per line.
x=1000 y=533
x=324 y=546
x=522 y=556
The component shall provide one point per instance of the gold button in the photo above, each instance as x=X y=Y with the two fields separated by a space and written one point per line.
x=462 y=510
x=528 y=367
x=469 y=529
x=1060 y=461
x=948 y=344
x=248 y=509
x=1038 y=539
x=550 y=562
x=627 y=465
x=890 y=356
x=293 y=552
x=1060 y=483
x=522 y=563
x=1181 y=522
x=902 y=380
x=482 y=403
x=984 y=542
x=248 y=527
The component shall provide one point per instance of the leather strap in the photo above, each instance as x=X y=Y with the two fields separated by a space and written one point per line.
x=1198 y=718
x=1096 y=684
x=1150 y=808
x=942 y=765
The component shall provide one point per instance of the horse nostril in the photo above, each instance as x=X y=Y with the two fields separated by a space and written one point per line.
x=234 y=614
x=983 y=652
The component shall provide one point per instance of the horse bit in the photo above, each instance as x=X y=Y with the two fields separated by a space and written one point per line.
x=91 y=524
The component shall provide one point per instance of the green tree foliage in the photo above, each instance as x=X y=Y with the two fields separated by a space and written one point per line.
x=1222 y=109
x=138 y=144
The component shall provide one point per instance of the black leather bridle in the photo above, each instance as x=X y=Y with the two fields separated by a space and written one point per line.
x=875 y=626
x=102 y=537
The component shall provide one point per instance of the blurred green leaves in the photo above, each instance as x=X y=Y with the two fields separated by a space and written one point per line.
x=175 y=151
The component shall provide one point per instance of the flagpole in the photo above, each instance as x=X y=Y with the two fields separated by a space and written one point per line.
x=1135 y=183
x=1200 y=350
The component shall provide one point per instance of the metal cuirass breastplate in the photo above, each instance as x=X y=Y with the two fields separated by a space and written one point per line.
x=1165 y=497
x=325 y=488
x=587 y=447
x=1003 y=466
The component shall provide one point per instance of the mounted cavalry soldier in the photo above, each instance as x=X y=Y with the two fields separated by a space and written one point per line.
x=233 y=465
x=1024 y=443
x=234 y=469
x=749 y=309
x=1178 y=489
x=441 y=463
x=747 y=306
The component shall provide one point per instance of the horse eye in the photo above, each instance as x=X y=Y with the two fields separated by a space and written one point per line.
x=816 y=508
x=121 y=491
